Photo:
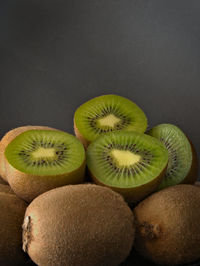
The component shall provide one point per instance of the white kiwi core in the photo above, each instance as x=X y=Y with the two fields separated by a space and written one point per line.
x=43 y=153
x=109 y=120
x=125 y=158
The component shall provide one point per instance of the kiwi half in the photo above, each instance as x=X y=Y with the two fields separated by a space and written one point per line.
x=39 y=160
x=183 y=162
x=130 y=163
x=78 y=225
x=11 y=219
x=105 y=114
x=8 y=137
x=167 y=225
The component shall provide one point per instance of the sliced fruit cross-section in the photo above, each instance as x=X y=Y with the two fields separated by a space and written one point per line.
x=38 y=160
x=182 y=166
x=105 y=114
x=131 y=163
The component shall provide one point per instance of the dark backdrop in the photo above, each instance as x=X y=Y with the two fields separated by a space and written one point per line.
x=56 y=54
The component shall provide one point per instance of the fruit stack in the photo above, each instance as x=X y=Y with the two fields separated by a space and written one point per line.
x=97 y=197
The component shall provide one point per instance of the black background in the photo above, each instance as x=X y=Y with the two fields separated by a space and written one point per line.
x=56 y=54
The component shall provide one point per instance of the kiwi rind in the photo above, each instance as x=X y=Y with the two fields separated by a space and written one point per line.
x=192 y=173
x=7 y=138
x=167 y=225
x=91 y=225
x=11 y=219
x=136 y=193
x=85 y=138
x=2 y=181
x=28 y=186
x=197 y=183
x=5 y=189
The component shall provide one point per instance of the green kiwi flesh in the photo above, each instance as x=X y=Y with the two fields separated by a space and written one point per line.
x=39 y=160
x=127 y=162
x=78 y=225
x=182 y=166
x=105 y=114
x=11 y=219
x=167 y=225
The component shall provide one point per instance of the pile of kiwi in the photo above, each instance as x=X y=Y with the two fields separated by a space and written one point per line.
x=113 y=191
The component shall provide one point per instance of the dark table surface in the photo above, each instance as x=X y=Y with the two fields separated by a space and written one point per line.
x=57 y=54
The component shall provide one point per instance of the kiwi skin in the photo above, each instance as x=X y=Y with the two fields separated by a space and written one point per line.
x=2 y=181
x=28 y=187
x=91 y=225
x=197 y=183
x=80 y=137
x=7 y=138
x=11 y=219
x=6 y=189
x=135 y=194
x=167 y=225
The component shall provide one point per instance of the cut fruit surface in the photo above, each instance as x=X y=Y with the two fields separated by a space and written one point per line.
x=43 y=152
x=43 y=159
x=182 y=166
x=7 y=138
x=126 y=160
x=105 y=114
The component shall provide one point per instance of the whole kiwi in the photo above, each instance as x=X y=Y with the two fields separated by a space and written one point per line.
x=78 y=225
x=167 y=225
x=7 y=138
x=11 y=219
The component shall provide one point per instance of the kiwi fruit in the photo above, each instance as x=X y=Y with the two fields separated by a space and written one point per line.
x=8 y=137
x=40 y=160
x=5 y=189
x=2 y=181
x=130 y=163
x=105 y=114
x=167 y=225
x=11 y=220
x=78 y=225
x=183 y=162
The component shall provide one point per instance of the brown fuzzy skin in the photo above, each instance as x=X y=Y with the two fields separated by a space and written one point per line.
x=7 y=138
x=167 y=226
x=78 y=225
x=28 y=187
x=84 y=141
x=135 y=194
x=11 y=219
x=6 y=189
x=2 y=181
x=197 y=184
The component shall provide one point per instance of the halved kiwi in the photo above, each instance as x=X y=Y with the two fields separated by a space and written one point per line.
x=39 y=160
x=7 y=138
x=78 y=225
x=183 y=162
x=105 y=114
x=130 y=163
